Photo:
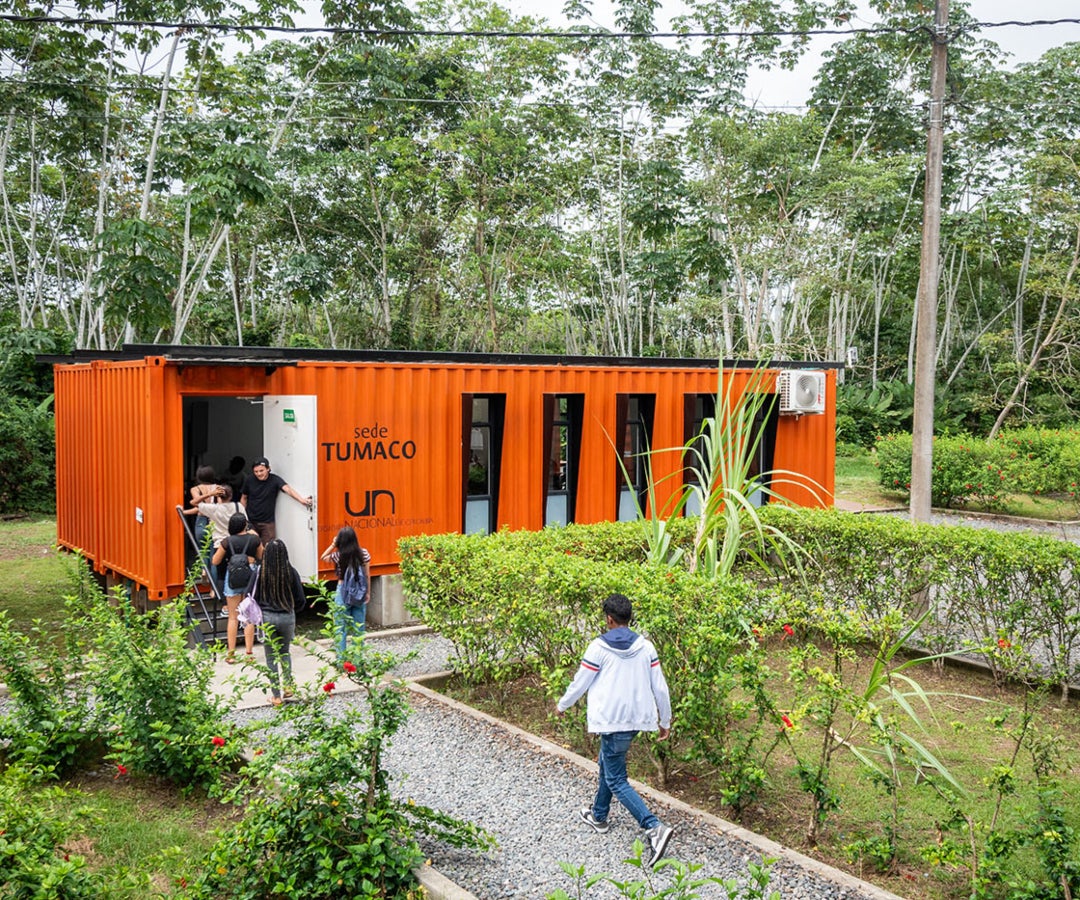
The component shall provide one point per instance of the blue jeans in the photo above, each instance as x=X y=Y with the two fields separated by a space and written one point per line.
x=613 y=781
x=202 y=527
x=279 y=629
x=349 y=621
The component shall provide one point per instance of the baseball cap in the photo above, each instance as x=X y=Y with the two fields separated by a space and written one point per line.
x=261 y=461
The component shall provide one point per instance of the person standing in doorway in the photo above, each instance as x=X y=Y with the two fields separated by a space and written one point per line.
x=261 y=488
x=627 y=693
x=217 y=509
x=279 y=593
x=204 y=490
x=352 y=565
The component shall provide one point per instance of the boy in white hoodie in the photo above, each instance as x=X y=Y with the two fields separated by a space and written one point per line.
x=627 y=693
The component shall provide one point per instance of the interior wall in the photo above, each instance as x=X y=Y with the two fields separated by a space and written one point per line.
x=219 y=428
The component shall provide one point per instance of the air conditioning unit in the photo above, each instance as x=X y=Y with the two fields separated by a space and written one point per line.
x=801 y=392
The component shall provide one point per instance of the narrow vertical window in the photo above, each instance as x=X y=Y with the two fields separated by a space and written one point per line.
x=696 y=409
x=760 y=448
x=563 y=416
x=482 y=418
x=634 y=423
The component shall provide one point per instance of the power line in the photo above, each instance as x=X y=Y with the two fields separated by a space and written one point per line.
x=286 y=93
x=213 y=117
x=588 y=34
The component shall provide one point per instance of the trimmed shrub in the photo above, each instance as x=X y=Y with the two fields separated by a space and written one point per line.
x=27 y=457
x=984 y=586
x=968 y=469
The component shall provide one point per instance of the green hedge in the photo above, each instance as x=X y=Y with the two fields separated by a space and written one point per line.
x=529 y=602
x=27 y=457
x=969 y=469
x=531 y=596
x=984 y=586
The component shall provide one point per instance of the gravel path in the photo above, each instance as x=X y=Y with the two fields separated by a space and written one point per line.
x=1066 y=531
x=528 y=797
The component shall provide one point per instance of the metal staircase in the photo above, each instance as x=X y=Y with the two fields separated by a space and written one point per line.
x=206 y=612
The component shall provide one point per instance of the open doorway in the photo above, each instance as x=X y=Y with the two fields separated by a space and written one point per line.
x=224 y=433
x=218 y=430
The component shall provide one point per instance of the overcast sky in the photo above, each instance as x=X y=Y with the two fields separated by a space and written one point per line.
x=791 y=88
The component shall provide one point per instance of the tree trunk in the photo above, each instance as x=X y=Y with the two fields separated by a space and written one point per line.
x=1048 y=338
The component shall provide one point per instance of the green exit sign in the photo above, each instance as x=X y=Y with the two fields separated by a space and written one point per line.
x=289 y=416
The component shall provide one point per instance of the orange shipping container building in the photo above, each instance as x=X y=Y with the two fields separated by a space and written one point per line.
x=392 y=443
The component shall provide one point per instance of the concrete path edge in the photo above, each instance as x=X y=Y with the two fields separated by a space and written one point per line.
x=766 y=846
x=438 y=887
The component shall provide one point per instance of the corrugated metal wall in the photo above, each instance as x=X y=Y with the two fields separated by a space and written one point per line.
x=112 y=468
x=77 y=477
x=120 y=447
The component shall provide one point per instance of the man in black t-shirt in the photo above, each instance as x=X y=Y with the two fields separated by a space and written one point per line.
x=260 y=497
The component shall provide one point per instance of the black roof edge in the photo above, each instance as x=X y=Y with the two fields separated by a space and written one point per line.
x=290 y=356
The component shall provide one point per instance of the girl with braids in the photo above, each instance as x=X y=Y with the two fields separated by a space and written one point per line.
x=352 y=563
x=279 y=593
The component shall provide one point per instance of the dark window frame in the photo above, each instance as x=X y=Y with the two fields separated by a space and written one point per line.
x=640 y=437
x=495 y=424
x=572 y=420
x=763 y=443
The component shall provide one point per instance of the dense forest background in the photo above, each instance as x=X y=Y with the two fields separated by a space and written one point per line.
x=443 y=175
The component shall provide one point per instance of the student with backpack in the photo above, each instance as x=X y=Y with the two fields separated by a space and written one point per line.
x=239 y=551
x=352 y=564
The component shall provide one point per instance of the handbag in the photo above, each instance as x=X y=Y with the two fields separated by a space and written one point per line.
x=249 y=611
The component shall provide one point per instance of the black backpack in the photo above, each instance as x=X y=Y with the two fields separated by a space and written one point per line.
x=238 y=567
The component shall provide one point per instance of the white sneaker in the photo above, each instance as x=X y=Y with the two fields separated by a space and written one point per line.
x=659 y=835
x=586 y=816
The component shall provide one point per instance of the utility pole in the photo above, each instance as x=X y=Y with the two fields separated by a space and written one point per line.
x=926 y=301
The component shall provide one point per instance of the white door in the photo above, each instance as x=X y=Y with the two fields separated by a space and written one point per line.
x=290 y=442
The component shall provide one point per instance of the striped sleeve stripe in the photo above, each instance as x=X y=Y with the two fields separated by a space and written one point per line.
x=591 y=666
x=655 y=662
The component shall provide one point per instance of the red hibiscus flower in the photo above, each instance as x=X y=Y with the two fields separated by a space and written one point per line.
x=787 y=721
x=120 y=770
x=217 y=741
x=349 y=667
x=789 y=631
x=329 y=686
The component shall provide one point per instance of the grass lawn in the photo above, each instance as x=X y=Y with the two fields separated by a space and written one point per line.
x=1051 y=508
x=34 y=575
x=857 y=482
x=118 y=836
